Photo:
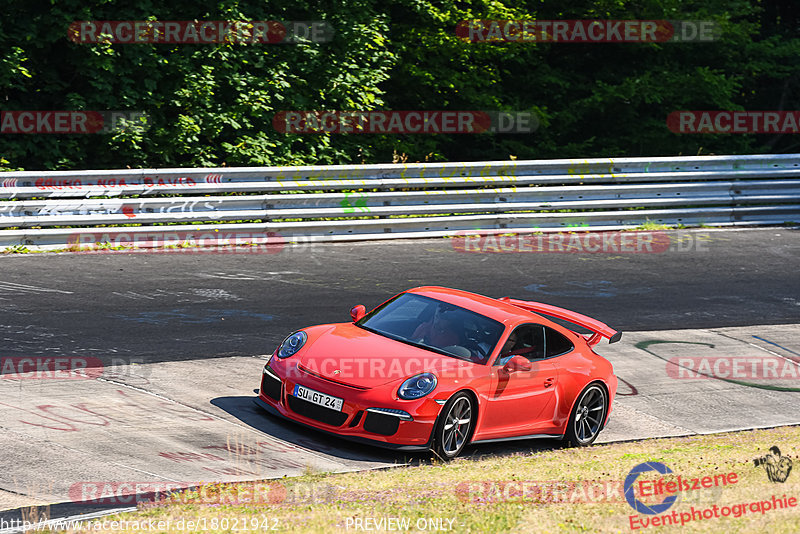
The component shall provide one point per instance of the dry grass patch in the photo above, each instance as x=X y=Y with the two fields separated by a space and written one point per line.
x=466 y=492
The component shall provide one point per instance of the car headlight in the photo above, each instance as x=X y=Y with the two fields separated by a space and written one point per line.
x=292 y=344
x=417 y=387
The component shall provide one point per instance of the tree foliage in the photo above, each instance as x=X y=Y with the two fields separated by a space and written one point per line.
x=212 y=104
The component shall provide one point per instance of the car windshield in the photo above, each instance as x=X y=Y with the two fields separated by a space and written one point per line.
x=435 y=325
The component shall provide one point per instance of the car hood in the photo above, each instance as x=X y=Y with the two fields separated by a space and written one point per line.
x=353 y=356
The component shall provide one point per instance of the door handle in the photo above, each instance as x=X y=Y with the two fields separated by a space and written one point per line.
x=549 y=382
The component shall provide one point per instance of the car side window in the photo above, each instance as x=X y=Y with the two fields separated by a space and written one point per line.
x=556 y=343
x=526 y=340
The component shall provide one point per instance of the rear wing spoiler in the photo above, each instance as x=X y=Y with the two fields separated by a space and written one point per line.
x=599 y=329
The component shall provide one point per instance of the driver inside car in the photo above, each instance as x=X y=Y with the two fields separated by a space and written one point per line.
x=522 y=342
x=508 y=347
x=440 y=331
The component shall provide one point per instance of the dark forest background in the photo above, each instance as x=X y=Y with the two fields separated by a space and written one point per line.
x=212 y=104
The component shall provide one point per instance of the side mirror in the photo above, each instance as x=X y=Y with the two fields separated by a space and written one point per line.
x=517 y=363
x=357 y=312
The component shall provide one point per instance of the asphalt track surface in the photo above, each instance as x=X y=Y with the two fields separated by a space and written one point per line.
x=179 y=306
x=182 y=339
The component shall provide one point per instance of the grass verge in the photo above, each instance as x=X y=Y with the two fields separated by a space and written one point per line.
x=555 y=490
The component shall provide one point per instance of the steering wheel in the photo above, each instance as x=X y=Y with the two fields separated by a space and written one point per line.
x=476 y=353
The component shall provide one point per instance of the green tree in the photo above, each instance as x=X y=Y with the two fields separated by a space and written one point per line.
x=213 y=104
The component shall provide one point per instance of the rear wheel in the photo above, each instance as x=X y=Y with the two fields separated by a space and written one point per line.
x=454 y=426
x=587 y=416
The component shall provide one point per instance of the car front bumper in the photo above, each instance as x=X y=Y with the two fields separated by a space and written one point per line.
x=363 y=417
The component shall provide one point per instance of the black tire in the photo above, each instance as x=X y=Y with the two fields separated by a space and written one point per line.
x=587 y=416
x=453 y=428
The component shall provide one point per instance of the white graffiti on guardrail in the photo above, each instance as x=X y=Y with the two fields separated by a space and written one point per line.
x=129 y=210
x=187 y=207
x=79 y=209
x=454 y=190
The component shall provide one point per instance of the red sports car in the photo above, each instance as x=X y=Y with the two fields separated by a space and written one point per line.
x=437 y=368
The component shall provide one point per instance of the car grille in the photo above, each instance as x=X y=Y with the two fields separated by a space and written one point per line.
x=318 y=413
x=327 y=379
x=271 y=387
x=378 y=423
x=356 y=418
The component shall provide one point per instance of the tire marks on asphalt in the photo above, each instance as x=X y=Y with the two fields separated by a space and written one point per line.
x=11 y=287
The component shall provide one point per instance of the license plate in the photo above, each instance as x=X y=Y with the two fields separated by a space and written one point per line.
x=328 y=401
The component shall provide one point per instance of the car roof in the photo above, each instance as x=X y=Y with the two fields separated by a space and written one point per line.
x=487 y=306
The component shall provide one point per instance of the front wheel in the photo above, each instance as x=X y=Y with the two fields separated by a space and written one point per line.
x=453 y=427
x=587 y=416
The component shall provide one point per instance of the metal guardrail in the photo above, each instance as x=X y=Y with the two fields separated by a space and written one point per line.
x=49 y=209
